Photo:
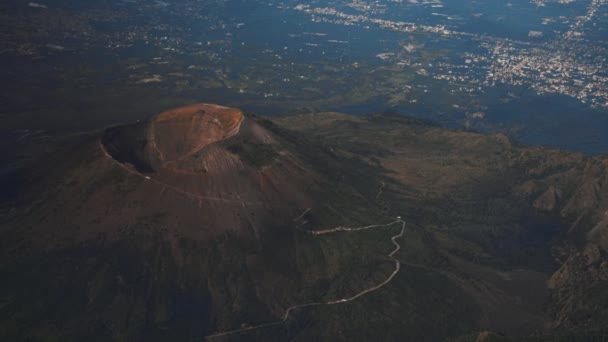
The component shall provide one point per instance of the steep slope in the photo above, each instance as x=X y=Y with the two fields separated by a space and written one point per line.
x=214 y=157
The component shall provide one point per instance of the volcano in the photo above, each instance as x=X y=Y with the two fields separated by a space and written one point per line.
x=227 y=168
x=171 y=228
x=206 y=223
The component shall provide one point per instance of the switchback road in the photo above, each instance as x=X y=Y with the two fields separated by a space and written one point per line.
x=376 y=287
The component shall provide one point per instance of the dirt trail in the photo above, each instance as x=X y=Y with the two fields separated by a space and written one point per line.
x=289 y=310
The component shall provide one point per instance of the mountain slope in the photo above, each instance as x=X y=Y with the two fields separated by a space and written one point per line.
x=204 y=220
x=522 y=229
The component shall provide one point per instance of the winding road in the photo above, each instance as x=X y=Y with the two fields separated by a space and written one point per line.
x=289 y=310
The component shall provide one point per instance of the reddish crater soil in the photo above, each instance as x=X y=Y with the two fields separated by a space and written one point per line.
x=211 y=164
x=179 y=133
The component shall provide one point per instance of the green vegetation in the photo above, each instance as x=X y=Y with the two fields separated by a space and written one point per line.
x=254 y=154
